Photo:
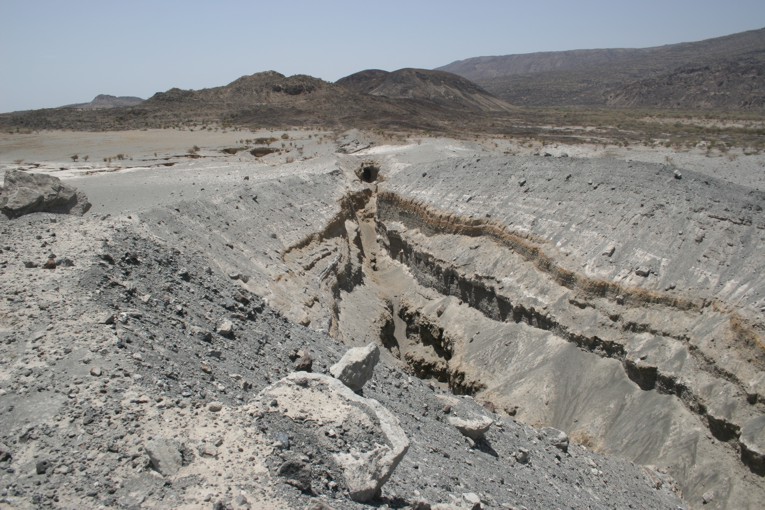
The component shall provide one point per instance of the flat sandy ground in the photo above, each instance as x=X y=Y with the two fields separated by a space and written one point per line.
x=155 y=166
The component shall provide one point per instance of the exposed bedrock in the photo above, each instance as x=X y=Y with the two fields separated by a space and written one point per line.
x=606 y=299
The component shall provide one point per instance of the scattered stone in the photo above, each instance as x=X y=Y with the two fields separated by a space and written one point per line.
x=708 y=497
x=5 y=453
x=297 y=473
x=201 y=334
x=421 y=504
x=29 y=264
x=642 y=271
x=164 y=456
x=226 y=329
x=304 y=363
x=609 y=251
x=208 y=450
x=282 y=441
x=555 y=437
x=64 y=262
x=677 y=174
x=472 y=499
x=522 y=455
x=106 y=318
x=42 y=466
x=474 y=429
x=215 y=407
x=356 y=367
x=96 y=371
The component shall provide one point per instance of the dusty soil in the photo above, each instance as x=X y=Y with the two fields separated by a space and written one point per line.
x=478 y=265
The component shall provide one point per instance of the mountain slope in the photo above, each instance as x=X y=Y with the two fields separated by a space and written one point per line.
x=590 y=77
x=738 y=84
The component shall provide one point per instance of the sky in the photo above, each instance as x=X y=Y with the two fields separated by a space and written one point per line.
x=58 y=52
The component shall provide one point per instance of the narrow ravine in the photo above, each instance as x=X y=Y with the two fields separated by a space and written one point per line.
x=380 y=254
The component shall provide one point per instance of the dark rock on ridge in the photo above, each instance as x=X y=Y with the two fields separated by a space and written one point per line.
x=25 y=193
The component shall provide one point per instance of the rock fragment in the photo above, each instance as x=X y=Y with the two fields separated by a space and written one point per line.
x=555 y=437
x=356 y=367
x=472 y=499
x=296 y=473
x=164 y=456
x=474 y=429
x=42 y=467
x=522 y=456
x=752 y=442
x=226 y=329
x=304 y=363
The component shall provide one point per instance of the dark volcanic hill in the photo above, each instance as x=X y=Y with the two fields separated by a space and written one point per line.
x=596 y=77
x=107 y=101
x=445 y=89
x=407 y=99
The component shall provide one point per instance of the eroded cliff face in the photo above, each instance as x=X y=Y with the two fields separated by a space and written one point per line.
x=621 y=302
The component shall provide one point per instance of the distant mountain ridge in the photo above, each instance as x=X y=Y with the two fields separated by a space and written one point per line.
x=107 y=101
x=596 y=77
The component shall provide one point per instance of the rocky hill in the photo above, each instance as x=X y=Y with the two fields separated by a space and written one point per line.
x=408 y=99
x=445 y=89
x=591 y=77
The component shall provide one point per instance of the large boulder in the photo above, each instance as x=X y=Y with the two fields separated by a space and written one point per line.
x=25 y=193
x=356 y=366
x=473 y=428
x=328 y=423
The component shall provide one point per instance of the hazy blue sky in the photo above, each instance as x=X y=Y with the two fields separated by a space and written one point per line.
x=56 y=52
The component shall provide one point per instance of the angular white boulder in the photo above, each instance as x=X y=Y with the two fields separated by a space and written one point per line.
x=357 y=366
x=316 y=402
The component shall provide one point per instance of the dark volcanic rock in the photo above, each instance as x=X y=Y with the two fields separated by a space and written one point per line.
x=25 y=193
